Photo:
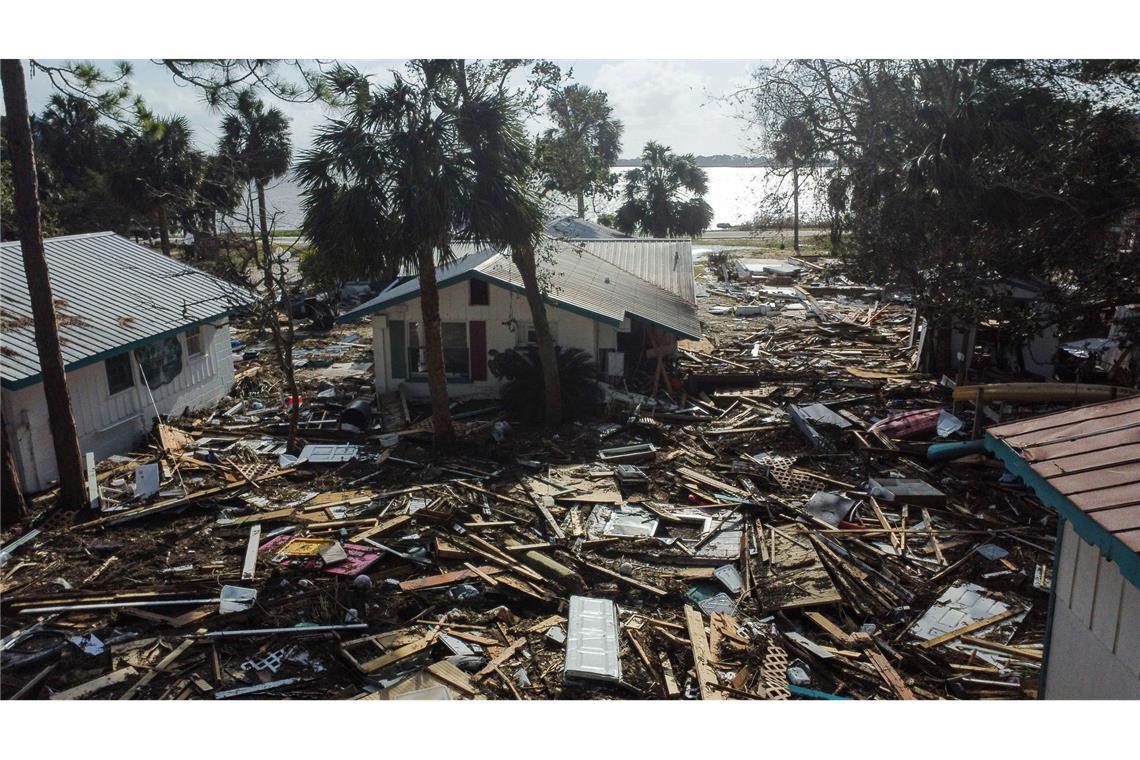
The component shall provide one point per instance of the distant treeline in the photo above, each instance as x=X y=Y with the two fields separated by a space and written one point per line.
x=708 y=161
x=719 y=159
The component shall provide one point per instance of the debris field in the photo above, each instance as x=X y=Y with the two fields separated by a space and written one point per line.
x=772 y=525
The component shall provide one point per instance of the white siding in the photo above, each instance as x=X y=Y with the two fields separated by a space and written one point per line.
x=1094 y=643
x=113 y=424
x=573 y=331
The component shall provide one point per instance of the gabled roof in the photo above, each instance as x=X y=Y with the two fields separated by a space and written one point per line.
x=573 y=228
x=578 y=280
x=111 y=295
x=667 y=263
x=1085 y=463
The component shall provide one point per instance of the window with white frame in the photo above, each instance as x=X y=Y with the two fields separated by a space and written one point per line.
x=526 y=335
x=456 y=356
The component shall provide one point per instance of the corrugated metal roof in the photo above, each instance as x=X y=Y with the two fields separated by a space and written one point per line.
x=445 y=275
x=668 y=264
x=573 y=228
x=110 y=295
x=578 y=280
x=1091 y=457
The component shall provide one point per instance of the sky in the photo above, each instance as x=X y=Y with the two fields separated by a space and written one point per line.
x=676 y=102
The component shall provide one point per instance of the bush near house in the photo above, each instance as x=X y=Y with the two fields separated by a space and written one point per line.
x=524 y=392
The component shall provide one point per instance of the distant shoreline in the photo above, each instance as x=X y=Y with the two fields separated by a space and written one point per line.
x=714 y=162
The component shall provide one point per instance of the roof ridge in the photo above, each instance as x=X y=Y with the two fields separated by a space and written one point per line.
x=76 y=236
x=634 y=274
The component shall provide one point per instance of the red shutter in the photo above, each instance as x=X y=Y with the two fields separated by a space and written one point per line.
x=478 y=348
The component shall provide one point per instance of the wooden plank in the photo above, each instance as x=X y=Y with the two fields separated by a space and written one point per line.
x=276 y=514
x=976 y=626
x=467 y=636
x=1106 y=498
x=453 y=677
x=500 y=658
x=1087 y=427
x=1107 y=477
x=837 y=634
x=88 y=688
x=481 y=574
x=623 y=578
x=445 y=579
x=1063 y=449
x=1086 y=461
x=400 y=653
x=889 y=674
x=249 y=567
x=706 y=677
x=382 y=528
x=672 y=690
x=1027 y=654
x=162 y=666
x=795 y=576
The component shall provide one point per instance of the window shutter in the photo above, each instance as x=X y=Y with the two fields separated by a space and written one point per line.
x=478 y=348
x=397 y=337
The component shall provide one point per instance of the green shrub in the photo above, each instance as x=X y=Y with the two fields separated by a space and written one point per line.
x=524 y=392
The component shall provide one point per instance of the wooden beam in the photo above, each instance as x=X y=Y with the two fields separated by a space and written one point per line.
x=699 y=642
x=400 y=653
x=1003 y=648
x=90 y=687
x=979 y=625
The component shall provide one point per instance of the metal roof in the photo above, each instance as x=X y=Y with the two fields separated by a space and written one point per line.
x=668 y=264
x=111 y=295
x=573 y=228
x=578 y=281
x=1088 y=457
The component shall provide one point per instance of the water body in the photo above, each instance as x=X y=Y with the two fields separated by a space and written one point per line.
x=737 y=195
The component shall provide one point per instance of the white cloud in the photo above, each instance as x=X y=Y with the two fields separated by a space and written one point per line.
x=673 y=102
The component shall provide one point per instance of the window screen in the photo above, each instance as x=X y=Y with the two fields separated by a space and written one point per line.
x=160 y=362
x=119 y=375
x=456 y=359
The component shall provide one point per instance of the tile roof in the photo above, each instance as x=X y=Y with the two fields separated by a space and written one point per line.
x=111 y=295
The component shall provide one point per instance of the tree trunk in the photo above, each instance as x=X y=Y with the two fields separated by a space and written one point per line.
x=581 y=206
x=443 y=430
x=12 y=508
x=282 y=345
x=65 y=439
x=164 y=230
x=795 y=207
x=552 y=384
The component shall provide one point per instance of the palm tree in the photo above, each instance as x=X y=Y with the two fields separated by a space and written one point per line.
x=793 y=145
x=414 y=167
x=664 y=196
x=256 y=143
x=160 y=170
x=576 y=154
x=65 y=439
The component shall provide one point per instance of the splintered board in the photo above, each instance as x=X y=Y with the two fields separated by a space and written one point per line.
x=796 y=577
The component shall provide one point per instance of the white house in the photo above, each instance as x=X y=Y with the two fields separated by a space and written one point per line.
x=613 y=298
x=1085 y=463
x=141 y=334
